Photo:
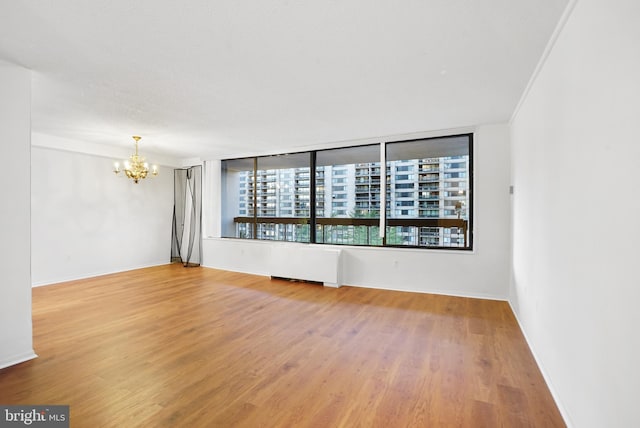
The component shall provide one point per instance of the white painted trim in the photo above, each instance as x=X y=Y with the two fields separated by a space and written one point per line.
x=545 y=55
x=436 y=292
x=17 y=359
x=556 y=397
x=242 y=271
x=94 y=274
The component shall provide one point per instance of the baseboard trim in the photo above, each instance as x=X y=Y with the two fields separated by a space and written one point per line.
x=450 y=293
x=94 y=274
x=17 y=359
x=556 y=397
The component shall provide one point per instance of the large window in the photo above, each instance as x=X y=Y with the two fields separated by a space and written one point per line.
x=424 y=191
x=430 y=216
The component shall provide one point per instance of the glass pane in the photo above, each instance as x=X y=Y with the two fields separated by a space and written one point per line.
x=237 y=197
x=348 y=196
x=282 y=197
x=428 y=183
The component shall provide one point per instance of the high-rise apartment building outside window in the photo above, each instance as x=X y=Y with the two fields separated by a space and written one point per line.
x=427 y=187
x=355 y=201
x=439 y=164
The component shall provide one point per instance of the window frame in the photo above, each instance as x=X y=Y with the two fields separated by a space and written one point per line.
x=427 y=223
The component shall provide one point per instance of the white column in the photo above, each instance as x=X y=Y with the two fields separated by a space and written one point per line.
x=16 y=343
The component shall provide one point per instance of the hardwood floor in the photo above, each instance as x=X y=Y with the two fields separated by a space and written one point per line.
x=197 y=347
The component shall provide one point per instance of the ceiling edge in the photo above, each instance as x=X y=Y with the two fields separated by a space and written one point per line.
x=545 y=55
x=102 y=150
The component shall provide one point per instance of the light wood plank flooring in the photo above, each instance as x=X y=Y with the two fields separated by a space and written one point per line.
x=194 y=347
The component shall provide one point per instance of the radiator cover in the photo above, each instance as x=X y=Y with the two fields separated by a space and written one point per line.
x=307 y=263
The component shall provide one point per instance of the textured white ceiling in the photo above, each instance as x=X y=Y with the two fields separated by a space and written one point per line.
x=205 y=78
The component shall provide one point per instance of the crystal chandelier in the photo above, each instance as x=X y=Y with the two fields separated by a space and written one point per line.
x=135 y=167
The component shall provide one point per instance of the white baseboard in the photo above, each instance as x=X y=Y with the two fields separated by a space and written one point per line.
x=545 y=375
x=94 y=274
x=17 y=359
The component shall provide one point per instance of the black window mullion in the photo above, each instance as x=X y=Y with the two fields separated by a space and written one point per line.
x=383 y=170
x=312 y=197
x=255 y=198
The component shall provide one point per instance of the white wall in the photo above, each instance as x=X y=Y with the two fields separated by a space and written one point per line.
x=482 y=273
x=575 y=281
x=16 y=343
x=87 y=221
